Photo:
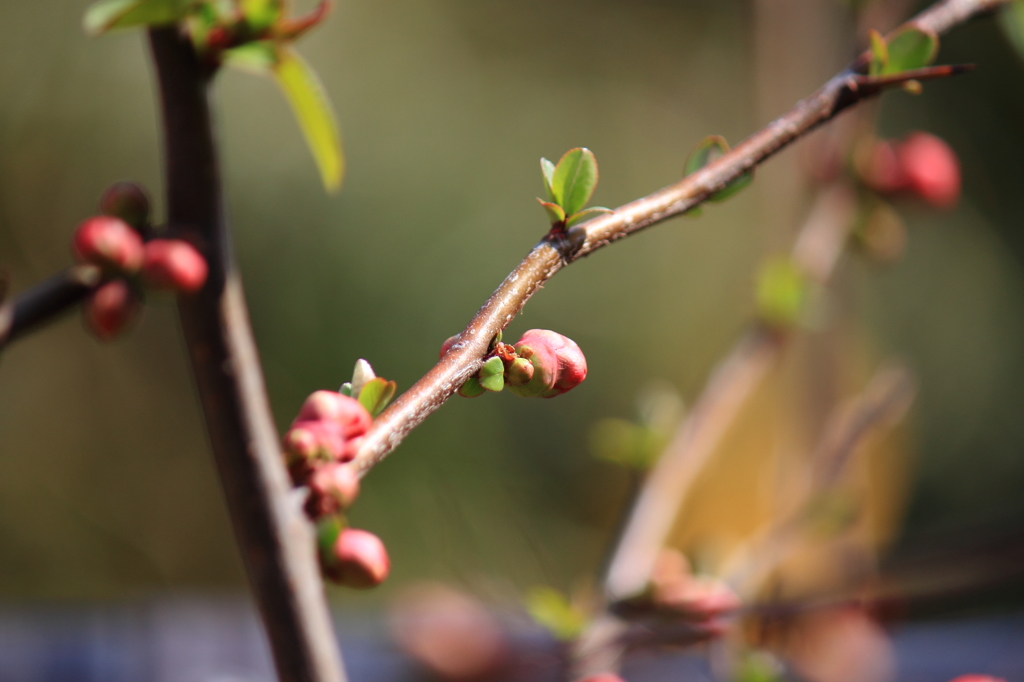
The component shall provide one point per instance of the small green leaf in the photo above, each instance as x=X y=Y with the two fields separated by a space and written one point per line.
x=346 y=389
x=551 y=609
x=376 y=395
x=327 y=531
x=911 y=48
x=625 y=443
x=586 y=214
x=109 y=14
x=706 y=151
x=261 y=14
x=733 y=187
x=879 y=54
x=472 y=388
x=492 y=375
x=555 y=213
x=782 y=292
x=548 y=169
x=306 y=95
x=258 y=57
x=574 y=179
x=1012 y=21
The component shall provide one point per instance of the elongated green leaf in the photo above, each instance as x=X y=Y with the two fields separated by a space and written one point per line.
x=879 y=53
x=586 y=214
x=574 y=179
x=548 y=169
x=733 y=187
x=555 y=212
x=306 y=95
x=258 y=57
x=706 y=151
x=1012 y=21
x=911 y=48
x=109 y=14
x=376 y=394
x=261 y=14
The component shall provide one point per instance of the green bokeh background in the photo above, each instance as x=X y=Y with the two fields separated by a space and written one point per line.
x=106 y=484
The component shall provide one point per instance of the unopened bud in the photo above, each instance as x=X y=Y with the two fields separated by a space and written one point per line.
x=603 y=677
x=110 y=243
x=558 y=363
x=127 y=201
x=340 y=409
x=333 y=489
x=110 y=309
x=361 y=559
x=446 y=346
x=520 y=372
x=315 y=440
x=174 y=265
x=931 y=168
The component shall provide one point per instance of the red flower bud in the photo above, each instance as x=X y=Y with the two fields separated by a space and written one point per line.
x=558 y=364
x=127 y=201
x=340 y=409
x=110 y=243
x=882 y=170
x=110 y=309
x=362 y=560
x=175 y=265
x=931 y=169
x=315 y=439
x=446 y=346
x=333 y=489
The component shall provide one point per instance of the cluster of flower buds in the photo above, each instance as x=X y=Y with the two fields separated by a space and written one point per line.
x=319 y=446
x=920 y=165
x=541 y=364
x=116 y=243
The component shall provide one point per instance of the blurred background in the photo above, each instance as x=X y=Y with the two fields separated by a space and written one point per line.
x=107 y=491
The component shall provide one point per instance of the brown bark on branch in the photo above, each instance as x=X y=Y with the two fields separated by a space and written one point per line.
x=275 y=536
x=47 y=300
x=551 y=254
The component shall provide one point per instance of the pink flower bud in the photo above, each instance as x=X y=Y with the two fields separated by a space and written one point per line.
x=315 y=440
x=603 y=677
x=110 y=309
x=342 y=410
x=333 y=488
x=931 y=168
x=127 y=201
x=558 y=364
x=174 y=265
x=882 y=170
x=362 y=560
x=446 y=346
x=110 y=243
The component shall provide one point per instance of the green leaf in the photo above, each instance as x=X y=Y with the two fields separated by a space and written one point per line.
x=586 y=214
x=472 y=388
x=1012 y=21
x=376 y=394
x=551 y=609
x=306 y=95
x=492 y=375
x=261 y=14
x=706 y=151
x=258 y=57
x=327 y=531
x=879 y=54
x=625 y=443
x=109 y=14
x=346 y=389
x=911 y=48
x=574 y=179
x=555 y=212
x=782 y=292
x=548 y=169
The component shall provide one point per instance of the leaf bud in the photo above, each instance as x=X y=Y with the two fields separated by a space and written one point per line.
x=111 y=308
x=519 y=372
x=127 y=201
x=109 y=243
x=174 y=265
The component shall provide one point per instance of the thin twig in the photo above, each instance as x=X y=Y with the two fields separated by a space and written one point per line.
x=552 y=253
x=47 y=300
x=276 y=538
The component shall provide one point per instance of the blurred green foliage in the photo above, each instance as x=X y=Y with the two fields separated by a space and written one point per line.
x=106 y=485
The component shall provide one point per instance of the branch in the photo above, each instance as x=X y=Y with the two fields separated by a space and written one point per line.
x=273 y=533
x=47 y=300
x=553 y=252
